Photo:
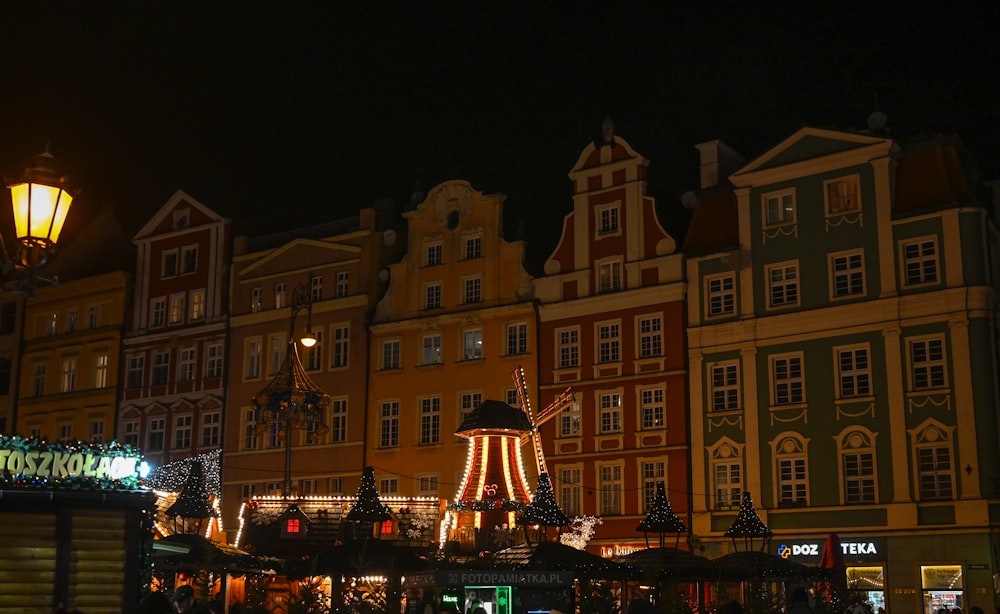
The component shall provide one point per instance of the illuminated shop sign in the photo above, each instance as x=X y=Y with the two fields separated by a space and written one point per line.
x=620 y=550
x=505 y=578
x=852 y=549
x=38 y=463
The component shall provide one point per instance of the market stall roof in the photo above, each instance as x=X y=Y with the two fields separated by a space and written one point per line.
x=557 y=556
x=194 y=552
x=757 y=566
x=657 y=563
x=367 y=557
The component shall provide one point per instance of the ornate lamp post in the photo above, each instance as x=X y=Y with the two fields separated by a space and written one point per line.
x=41 y=200
x=292 y=401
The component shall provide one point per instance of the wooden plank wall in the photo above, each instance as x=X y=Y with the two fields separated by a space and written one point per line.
x=28 y=550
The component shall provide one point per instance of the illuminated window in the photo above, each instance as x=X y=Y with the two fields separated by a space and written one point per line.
x=430 y=421
x=841 y=195
x=652 y=410
x=292 y=525
x=175 y=314
x=853 y=372
x=197 y=304
x=431 y=350
x=847 y=274
x=787 y=380
x=783 y=284
x=472 y=344
x=779 y=208
x=279 y=295
x=609 y=276
x=927 y=366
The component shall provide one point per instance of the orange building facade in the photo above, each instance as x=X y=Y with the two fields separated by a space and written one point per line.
x=456 y=321
x=612 y=327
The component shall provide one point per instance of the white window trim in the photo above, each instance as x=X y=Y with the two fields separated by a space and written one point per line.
x=838 y=392
x=710 y=377
x=768 y=287
x=708 y=294
x=772 y=380
x=790 y=445
x=910 y=367
x=597 y=342
x=848 y=435
x=853 y=181
x=613 y=262
x=779 y=194
x=832 y=275
x=903 y=243
x=598 y=211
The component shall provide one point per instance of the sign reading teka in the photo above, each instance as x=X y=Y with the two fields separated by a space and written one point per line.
x=859 y=549
x=32 y=462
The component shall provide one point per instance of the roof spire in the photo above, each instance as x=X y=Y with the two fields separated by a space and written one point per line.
x=608 y=130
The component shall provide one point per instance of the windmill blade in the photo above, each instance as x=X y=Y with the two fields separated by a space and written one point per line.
x=560 y=403
x=522 y=395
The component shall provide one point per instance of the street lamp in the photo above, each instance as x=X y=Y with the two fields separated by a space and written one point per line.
x=40 y=199
x=292 y=401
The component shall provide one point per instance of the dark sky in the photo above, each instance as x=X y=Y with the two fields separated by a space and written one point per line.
x=281 y=114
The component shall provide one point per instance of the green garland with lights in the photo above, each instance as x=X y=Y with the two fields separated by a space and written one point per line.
x=492 y=505
x=24 y=445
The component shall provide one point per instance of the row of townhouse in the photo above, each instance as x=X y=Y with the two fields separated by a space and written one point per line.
x=825 y=339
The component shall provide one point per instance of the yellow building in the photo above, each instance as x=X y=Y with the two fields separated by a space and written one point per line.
x=69 y=366
x=456 y=320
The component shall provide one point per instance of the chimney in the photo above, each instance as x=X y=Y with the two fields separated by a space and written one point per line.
x=718 y=162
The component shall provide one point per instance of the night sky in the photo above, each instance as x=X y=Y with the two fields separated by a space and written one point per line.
x=282 y=114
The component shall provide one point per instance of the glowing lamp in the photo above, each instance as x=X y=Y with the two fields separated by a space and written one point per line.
x=308 y=339
x=41 y=202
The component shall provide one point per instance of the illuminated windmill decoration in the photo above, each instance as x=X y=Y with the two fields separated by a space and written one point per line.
x=494 y=483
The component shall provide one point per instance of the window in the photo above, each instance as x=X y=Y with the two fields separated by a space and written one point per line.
x=569 y=347
x=468 y=401
x=390 y=354
x=728 y=485
x=847 y=274
x=211 y=424
x=427 y=485
x=790 y=467
x=316 y=287
x=841 y=195
x=213 y=360
x=253 y=359
x=133 y=375
x=934 y=468
x=338 y=421
x=430 y=420
x=278 y=350
x=131 y=433
x=52 y=328
x=853 y=373
x=250 y=430
x=8 y=318
x=609 y=342
x=100 y=370
x=168 y=263
x=93 y=316
x=335 y=486
x=610 y=414
x=920 y=262
x=389 y=432
x=97 y=431
x=388 y=486
x=517 y=338
x=6 y=367
x=783 y=284
x=309 y=487
x=343 y=283
x=607 y=220
x=569 y=421
x=182 y=431
x=857 y=459
x=256 y=299
x=197 y=304
x=570 y=491
x=720 y=295
x=65 y=433
x=787 y=380
x=431 y=350
x=473 y=247
x=341 y=346
x=725 y=386
x=155 y=437
x=652 y=412
x=650 y=337
x=161 y=369
x=611 y=489
x=185 y=364
x=653 y=473
x=609 y=276
x=182 y=218
x=779 y=208
x=314 y=355
x=927 y=364
x=189 y=259
x=432 y=295
x=272 y=435
x=157 y=312
x=176 y=313
x=38 y=378
x=511 y=397
x=272 y=488
x=247 y=490
x=471 y=289
x=68 y=381
x=432 y=255
x=72 y=320
x=472 y=344
x=279 y=295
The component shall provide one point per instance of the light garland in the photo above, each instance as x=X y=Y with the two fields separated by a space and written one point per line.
x=171 y=476
x=16 y=447
x=583 y=529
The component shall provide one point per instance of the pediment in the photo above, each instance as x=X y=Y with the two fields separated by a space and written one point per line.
x=807 y=144
x=180 y=202
x=303 y=253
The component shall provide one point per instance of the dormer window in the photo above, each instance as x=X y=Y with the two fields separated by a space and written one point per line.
x=182 y=218
x=294 y=522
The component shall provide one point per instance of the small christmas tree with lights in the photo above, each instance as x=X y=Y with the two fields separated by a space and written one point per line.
x=661 y=519
x=543 y=509
x=748 y=525
x=192 y=504
x=368 y=508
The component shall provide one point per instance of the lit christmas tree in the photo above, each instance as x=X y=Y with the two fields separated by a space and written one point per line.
x=192 y=504
x=748 y=524
x=661 y=518
x=543 y=509
x=369 y=507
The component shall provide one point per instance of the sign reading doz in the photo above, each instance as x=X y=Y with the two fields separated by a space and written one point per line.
x=809 y=550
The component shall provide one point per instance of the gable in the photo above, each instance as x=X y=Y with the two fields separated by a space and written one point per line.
x=808 y=144
x=179 y=203
x=304 y=252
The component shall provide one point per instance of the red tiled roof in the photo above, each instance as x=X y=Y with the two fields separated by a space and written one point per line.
x=714 y=222
x=930 y=175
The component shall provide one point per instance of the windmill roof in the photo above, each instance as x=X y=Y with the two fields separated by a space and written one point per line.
x=494 y=415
